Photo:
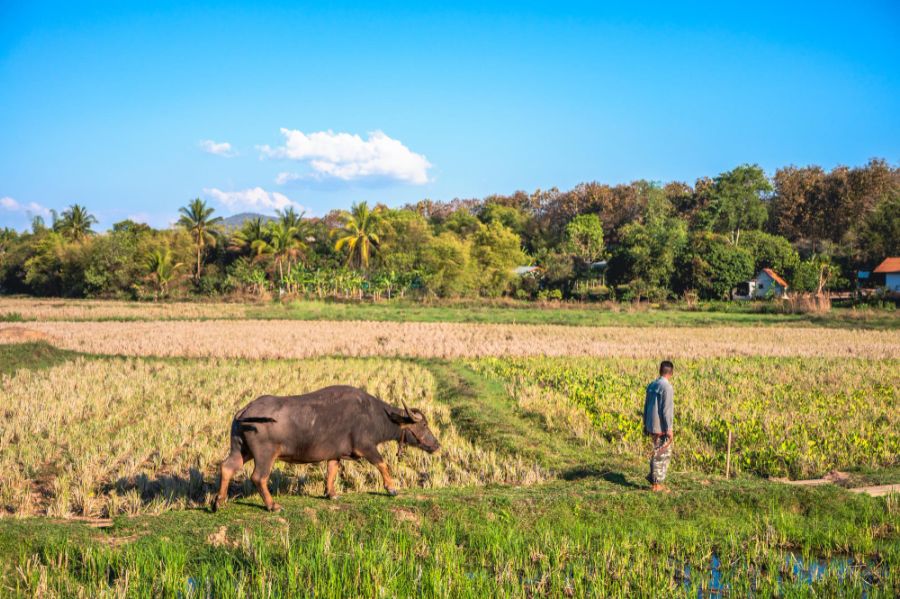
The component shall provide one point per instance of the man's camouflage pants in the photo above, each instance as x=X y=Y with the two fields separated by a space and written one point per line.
x=659 y=461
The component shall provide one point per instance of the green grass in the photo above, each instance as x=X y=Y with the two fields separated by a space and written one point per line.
x=596 y=531
x=566 y=314
x=31 y=356
x=586 y=538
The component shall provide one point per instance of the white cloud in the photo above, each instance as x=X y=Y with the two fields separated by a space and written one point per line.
x=287 y=177
x=348 y=157
x=255 y=198
x=218 y=148
x=12 y=205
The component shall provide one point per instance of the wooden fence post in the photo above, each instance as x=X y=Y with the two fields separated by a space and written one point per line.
x=728 y=457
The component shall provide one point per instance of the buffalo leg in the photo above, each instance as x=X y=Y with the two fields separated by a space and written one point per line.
x=260 y=478
x=374 y=456
x=331 y=474
x=231 y=464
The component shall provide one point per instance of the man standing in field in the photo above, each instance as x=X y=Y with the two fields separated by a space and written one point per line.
x=659 y=410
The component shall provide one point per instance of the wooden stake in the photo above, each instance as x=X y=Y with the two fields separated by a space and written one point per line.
x=728 y=457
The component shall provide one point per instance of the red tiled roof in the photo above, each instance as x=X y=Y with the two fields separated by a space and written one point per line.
x=889 y=265
x=775 y=277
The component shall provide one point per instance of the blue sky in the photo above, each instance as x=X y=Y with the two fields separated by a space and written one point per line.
x=125 y=107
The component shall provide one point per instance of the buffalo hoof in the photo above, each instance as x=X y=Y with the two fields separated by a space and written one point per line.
x=215 y=504
x=275 y=508
x=392 y=492
x=332 y=497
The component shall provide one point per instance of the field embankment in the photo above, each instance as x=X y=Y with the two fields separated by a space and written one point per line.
x=461 y=311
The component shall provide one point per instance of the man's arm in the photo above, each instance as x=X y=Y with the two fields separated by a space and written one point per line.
x=667 y=411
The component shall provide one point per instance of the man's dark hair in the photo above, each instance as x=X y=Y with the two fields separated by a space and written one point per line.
x=666 y=367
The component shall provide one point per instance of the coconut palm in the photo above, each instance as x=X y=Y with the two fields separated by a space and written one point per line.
x=290 y=218
x=359 y=234
x=162 y=269
x=251 y=237
x=284 y=245
x=195 y=217
x=75 y=223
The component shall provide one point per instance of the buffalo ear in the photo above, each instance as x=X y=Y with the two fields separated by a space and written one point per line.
x=398 y=417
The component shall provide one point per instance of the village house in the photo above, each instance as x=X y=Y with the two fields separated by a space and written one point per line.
x=890 y=268
x=766 y=284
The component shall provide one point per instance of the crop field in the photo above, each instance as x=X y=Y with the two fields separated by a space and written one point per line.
x=789 y=417
x=538 y=489
x=296 y=339
x=165 y=424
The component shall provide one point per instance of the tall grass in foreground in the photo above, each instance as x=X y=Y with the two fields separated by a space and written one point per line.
x=545 y=543
x=797 y=417
x=94 y=437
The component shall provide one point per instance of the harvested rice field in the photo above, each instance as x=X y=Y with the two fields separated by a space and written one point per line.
x=300 y=339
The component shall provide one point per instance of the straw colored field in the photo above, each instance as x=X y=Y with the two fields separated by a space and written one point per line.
x=32 y=308
x=296 y=339
x=800 y=417
x=94 y=437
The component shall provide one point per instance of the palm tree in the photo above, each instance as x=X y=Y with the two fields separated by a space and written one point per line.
x=252 y=237
x=289 y=217
x=195 y=217
x=284 y=245
x=75 y=223
x=162 y=269
x=359 y=235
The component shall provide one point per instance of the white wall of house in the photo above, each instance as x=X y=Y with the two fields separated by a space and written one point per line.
x=766 y=285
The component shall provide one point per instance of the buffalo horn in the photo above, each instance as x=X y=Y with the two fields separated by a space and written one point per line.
x=409 y=414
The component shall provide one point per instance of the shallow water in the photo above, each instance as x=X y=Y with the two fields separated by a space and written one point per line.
x=712 y=579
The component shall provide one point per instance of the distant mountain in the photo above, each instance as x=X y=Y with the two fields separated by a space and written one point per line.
x=236 y=221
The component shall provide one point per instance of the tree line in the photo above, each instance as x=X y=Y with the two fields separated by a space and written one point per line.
x=596 y=241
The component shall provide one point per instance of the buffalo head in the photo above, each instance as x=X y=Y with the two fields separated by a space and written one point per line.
x=414 y=429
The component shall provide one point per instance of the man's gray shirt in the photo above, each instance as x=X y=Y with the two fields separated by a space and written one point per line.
x=659 y=407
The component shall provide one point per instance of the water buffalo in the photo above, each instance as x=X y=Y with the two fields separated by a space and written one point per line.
x=330 y=424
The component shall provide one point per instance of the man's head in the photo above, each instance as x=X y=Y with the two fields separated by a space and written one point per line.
x=666 y=369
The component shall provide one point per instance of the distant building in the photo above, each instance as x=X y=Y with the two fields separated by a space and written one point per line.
x=526 y=270
x=890 y=268
x=766 y=284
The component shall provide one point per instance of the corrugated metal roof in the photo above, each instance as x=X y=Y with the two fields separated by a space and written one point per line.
x=889 y=265
x=775 y=277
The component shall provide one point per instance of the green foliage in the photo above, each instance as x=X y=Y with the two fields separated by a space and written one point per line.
x=196 y=218
x=712 y=266
x=852 y=214
x=770 y=251
x=497 y=251
x=817 y=274
x=462 y=222
x=447 y=263
x=584 y=238
x=880 y=235
x=405 y=236
x=512 y=218
x=162 y=268
x=646 y=256
x=75 y=223
x=738 y=201
x=359 y=235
